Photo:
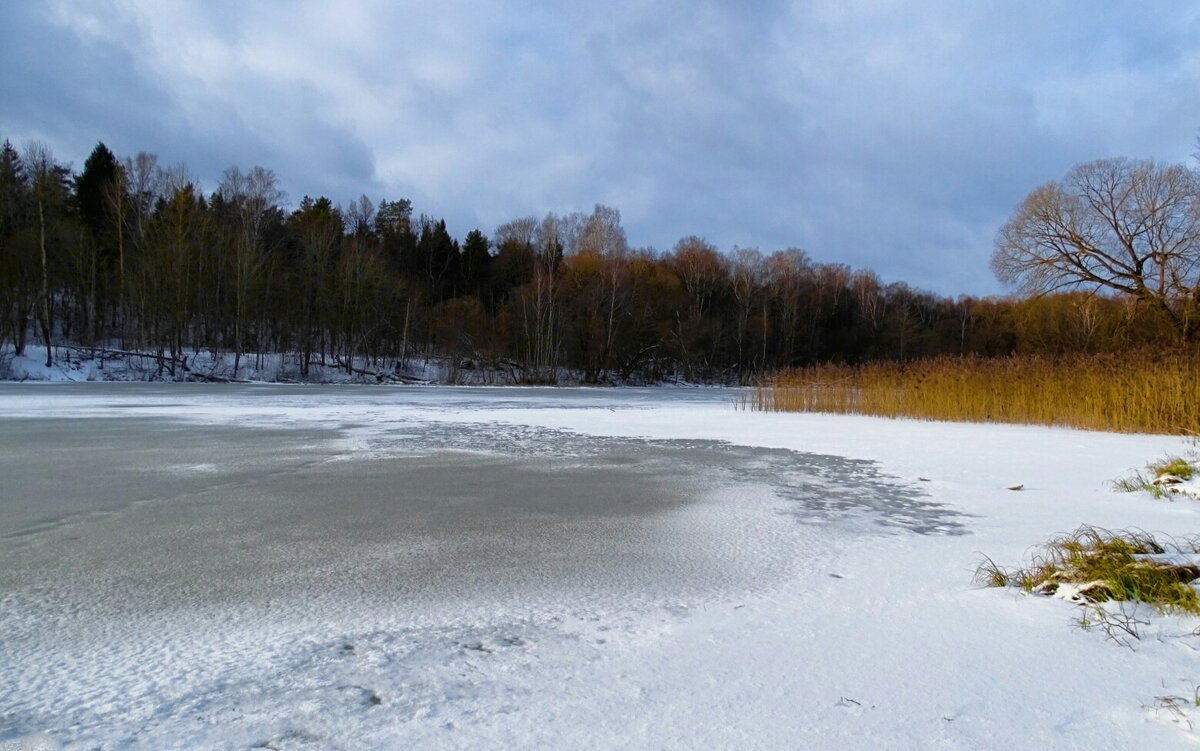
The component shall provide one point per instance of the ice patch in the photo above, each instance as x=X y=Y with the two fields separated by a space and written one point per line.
x=449 y=568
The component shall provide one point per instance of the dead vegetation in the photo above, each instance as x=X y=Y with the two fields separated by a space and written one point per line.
x=1147 y=392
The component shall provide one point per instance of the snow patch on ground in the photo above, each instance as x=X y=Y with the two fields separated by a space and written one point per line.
x=74 y=364
x=79 y=364
x=1186 y=488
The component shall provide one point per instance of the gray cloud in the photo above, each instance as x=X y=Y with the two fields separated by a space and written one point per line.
x=876 y=134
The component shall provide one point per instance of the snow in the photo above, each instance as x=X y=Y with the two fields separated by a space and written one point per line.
x=75 y=364
x=227 y=566
x=1170 y=559
x=1172 y=485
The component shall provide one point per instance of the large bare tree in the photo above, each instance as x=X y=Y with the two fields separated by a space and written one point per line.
x=1126 y=226
x=255 y=195
x=47 y=181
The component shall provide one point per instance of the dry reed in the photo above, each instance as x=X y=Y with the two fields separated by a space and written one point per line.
x=1131 y=392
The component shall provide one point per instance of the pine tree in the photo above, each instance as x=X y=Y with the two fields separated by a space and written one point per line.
x=476 y=263
x=15 y=297
x=100 y=171
x=94 y=193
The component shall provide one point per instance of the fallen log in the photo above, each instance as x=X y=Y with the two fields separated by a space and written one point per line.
x=377 y=375
x=163 y=360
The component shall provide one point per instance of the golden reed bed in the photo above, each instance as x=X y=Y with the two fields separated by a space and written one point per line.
x=1130 y=392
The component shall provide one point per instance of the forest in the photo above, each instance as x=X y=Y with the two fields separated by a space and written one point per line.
x=132 y=255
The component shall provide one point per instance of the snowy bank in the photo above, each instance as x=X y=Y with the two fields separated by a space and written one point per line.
x=76 y=364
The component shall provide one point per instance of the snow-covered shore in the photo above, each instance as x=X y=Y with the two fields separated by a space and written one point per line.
x=75 y=364
x=306 y=567
x=78 y=364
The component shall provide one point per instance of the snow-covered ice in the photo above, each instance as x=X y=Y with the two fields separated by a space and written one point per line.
x=221 y=566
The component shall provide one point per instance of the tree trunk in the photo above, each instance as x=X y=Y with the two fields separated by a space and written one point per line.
x=46 y=323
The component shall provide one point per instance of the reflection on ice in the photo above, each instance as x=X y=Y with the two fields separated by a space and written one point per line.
x=816 y=487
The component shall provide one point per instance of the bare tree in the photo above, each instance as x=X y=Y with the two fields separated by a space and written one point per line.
x=360 y=217
x=175 y=241
x=116 y=202
x=46 y=180
x=255 y=194
x=145 y=184
x=1127 y=226
x=540 y=309
x=519 y=231
x=702 y=270
x=704 y=274
x=603 y=234
x=789 y=278
x=749 y=279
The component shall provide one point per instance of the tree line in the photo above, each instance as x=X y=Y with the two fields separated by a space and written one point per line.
x=130 y=253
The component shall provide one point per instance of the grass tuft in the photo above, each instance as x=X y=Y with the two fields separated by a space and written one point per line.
x=1150 y=392
x=1137 y=482
x=1177 y=466
x=989 y=574
x=1094 y=565
x=1160 y=478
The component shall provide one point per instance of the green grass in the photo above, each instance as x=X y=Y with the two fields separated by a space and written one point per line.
x=1175 y=466
x=1104 y=566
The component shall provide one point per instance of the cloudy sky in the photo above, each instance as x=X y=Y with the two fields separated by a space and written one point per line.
x=884 y=133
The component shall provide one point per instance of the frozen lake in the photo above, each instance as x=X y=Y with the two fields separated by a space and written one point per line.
x=343 y=567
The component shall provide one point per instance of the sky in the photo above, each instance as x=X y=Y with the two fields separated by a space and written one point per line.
x=888 y=134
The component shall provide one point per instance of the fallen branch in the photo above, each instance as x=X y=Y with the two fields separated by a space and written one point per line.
x=213 y=378
x=163 y=360
x=378 y=375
